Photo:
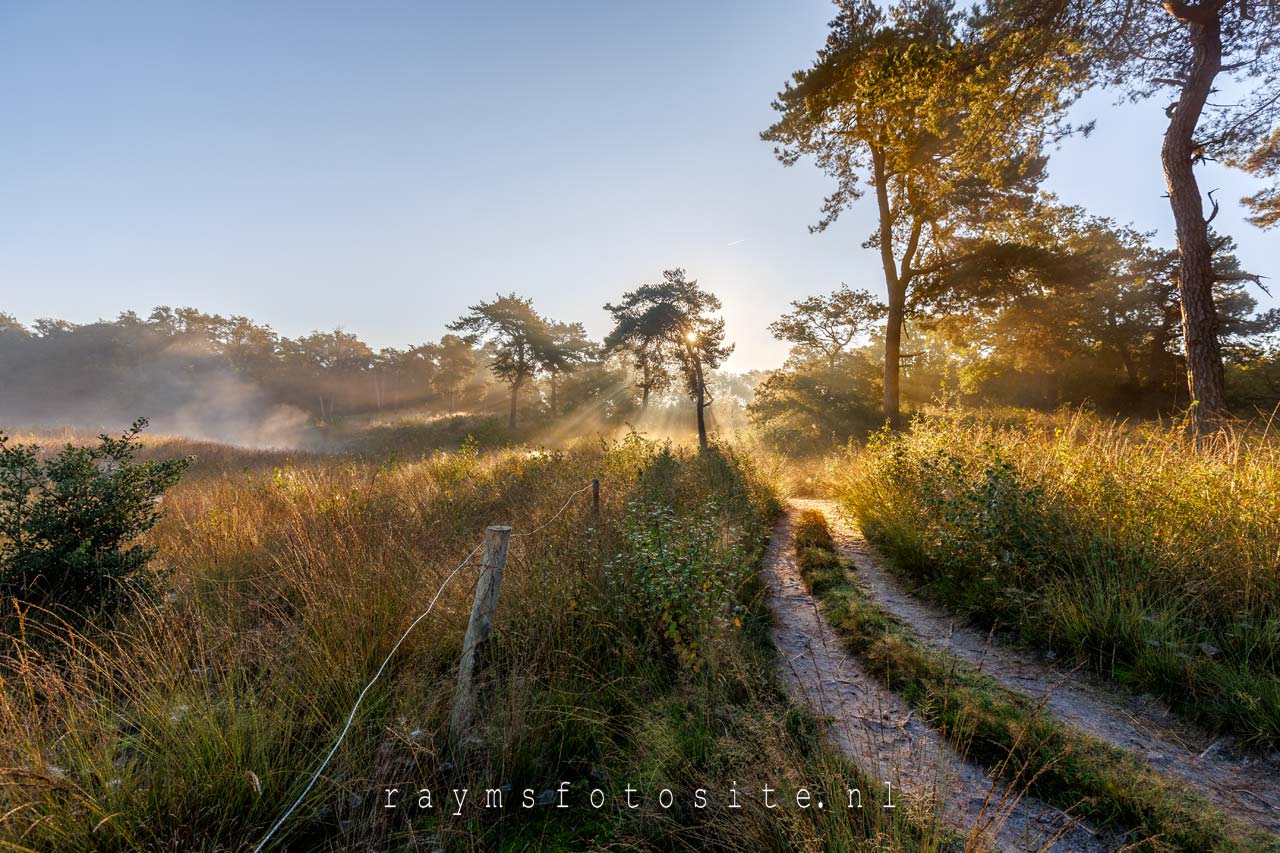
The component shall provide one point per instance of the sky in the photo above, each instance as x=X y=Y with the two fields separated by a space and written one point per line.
x=380 y=166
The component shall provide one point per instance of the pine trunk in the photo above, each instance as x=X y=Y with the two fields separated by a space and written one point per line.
x=702 y=404
x=1130 y=368
x=896 y=286
x=1195 y=275
x=893 y=360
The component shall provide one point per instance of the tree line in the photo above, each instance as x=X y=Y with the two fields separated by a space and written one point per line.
x=667 y=341
x=113 y=370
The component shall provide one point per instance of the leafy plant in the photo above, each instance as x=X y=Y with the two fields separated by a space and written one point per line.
x=69 y=522
x=684 y=572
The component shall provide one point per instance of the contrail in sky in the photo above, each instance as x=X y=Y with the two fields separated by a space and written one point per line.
x=735 y=242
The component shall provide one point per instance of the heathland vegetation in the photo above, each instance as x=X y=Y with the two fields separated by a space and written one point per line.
x=631 y=650
x=1122 y=548
x=1059 y=430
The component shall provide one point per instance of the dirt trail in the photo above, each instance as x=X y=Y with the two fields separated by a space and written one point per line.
x=1245 y=786
x=880 y=733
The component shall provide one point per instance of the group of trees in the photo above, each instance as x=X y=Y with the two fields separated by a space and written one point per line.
x=1103 y=326
x=663 y=332
x=177 y=361
x=948 y=117
x=522 y=343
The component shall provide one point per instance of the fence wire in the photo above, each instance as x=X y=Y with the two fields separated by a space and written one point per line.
x=351 y=717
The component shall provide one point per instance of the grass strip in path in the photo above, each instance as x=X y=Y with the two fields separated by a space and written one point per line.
x=884 y=736
x=1008 y=732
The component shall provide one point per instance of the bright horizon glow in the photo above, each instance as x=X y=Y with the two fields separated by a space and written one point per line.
x=381 y=168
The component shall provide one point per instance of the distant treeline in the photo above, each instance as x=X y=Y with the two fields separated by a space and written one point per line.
x=232 y=378
x=190 y=367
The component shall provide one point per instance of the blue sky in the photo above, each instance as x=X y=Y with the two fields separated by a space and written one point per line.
x=378 y=166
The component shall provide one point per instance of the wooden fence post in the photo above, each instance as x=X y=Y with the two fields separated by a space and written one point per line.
x=496 y=539
x=595 y=497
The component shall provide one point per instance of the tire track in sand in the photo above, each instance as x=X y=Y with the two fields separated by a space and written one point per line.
x=878 y=731
x=1245 y=786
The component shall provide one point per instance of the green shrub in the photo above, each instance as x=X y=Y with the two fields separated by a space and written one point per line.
x=684 y=573
x=69 y=522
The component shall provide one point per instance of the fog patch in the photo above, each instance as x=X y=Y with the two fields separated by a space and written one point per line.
x=181 y=390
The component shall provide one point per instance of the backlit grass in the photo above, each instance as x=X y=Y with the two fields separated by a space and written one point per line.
x=193 y=723
x=1126 y=547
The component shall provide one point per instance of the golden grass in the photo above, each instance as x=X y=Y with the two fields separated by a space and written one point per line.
x=193 y=722
x=1125 y=546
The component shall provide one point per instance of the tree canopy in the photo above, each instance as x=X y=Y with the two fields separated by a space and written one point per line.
x=520 y=338
x=930 y=109
x=824 y=326
x=673 y=323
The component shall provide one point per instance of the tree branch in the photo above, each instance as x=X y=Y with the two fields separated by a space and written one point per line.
x=1243 y=276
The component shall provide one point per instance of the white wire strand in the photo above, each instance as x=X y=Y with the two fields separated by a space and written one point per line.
x=360 y=699
x=559 y=512
x=351 y=717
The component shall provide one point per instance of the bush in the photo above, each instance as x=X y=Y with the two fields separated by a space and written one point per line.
x=68 y=522
x=685 y=573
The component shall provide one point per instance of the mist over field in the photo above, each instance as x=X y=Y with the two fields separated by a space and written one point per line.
x=231 y=380
x=199 y=400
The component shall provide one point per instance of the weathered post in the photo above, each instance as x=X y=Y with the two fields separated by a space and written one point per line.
x=496 y=539
x=595 y=497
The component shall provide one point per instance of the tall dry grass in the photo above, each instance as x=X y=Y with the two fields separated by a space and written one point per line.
x=195 y=721
x=1122 y=545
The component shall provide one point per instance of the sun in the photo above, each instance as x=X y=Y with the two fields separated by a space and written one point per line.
x=691 y=336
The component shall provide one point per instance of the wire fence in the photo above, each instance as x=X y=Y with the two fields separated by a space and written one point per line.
x=593 y=485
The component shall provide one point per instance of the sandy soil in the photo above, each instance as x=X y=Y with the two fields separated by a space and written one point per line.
x=880 y=733
x=1245 y=786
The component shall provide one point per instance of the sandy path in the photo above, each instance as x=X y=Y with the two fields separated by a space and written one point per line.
x=1248 y=787
x=880 y=733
